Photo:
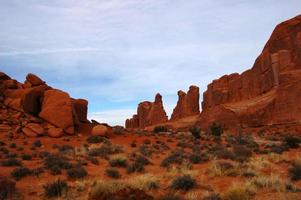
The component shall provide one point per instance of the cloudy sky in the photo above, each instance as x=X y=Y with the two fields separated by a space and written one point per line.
x=116 y=53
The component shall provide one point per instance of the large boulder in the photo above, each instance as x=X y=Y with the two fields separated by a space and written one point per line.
x=36 y=128
x=100 y=130
x=55 y=132
x=57 y=109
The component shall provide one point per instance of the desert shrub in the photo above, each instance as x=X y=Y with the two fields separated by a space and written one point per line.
x=170 y=196
x=26 y=157
x=20 y=148
x=11 y=162
x=37 y=143
x=142 y=160
x=221 y=152
x=7 y=188
x=212 y=196
x=118 y=161
x=11 y=155
x=195 y=131
x=292 y=141
x=135 y=167
x=146 y=141
x=44 y=154
x=159 y=129
x=241 y=153
x=55 y=170
x=20 y=172
x=195 y=158
x=55 y=189
x=13 y=145
x=144 y=182
x=77 y=172
x=279 y=149
x=237 y=192
x=113 y=173
x=2 y=143
x=55 y=163
x=65 y=148
x=105 y=150
x=216 y=129
x=93 y=160
x=37 y=171
x=133 y=144
x=176 y=157
x=4 y=150
x=95 y=139
x=295 y=172
x=185 y=182
x=146 y=150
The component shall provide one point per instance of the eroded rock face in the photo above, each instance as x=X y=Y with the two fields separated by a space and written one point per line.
x=148 y=114
x=57 y=109
x=188 y=104
x=40 y=104
x=266 y=94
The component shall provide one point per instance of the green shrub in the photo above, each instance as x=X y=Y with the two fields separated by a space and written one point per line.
x=20 y=172
x=159 y=129
x=11 y=162
x=195 y=158
x=241 y=153
x=295 y=172
x=292 y=141
x=185 y=182
x=37 y=143
x=118 y=162
x=13 y=145
x=216 y=129
x=56 y=161
x=135 y=167
x=95 y=139
x=195 y=131
x=55 y=189
x=113 y=173
x=26 y=157
x=77 y=172
x=176 y=157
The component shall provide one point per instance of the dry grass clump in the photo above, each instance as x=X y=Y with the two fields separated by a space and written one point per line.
x=144 y=182
x=239 y=191
x=272 y=182
x=223 y=168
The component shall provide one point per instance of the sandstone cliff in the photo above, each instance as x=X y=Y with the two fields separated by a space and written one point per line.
x=148 y=114
x=268 y=93
x=188 y=104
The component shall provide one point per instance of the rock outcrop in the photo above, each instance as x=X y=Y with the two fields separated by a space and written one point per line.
x=148 y=114
x=39 y=109
x=268 y=93
x=188 y=104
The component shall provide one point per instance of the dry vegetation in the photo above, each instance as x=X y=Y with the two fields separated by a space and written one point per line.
x=154 y=165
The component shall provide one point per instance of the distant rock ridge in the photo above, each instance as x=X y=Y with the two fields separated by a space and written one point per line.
x=148 y=114
x=267 y=94
x=40 y=109
x=188 y=104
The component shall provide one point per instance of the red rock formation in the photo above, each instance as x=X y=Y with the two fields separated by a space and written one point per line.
x=188 y=104
x=148 y=114
x=41 y=105
x=268 y=93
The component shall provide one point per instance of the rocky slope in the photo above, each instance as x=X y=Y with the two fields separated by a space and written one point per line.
x=33 y=108
x=267 y=94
